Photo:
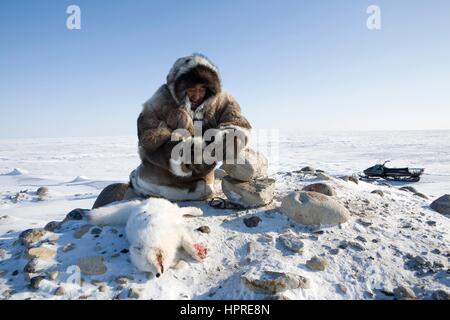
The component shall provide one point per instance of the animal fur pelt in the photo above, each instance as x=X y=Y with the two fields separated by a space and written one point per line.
x=155 y=230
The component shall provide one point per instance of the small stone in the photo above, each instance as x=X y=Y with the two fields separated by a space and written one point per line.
x=361 y=238
x=343 y=245
x=274 y=282
x=436 y=251
x=52 y=226
x=409 y=189
x=41 y=253
x=334 y=251
x=293 y=243
x=96 y=231
x=357 y=246
x=404 y=293
x=365 y=223
x=31 y=236
x=203 y=229
x=378 y=192
x=69 y=246
x=35 y=282
x=320 y=188
x=30 y=267
x=53 y=275
x=307 y=169
x=92 y=265
x=124 y=251
x=317 y=263
x=102 y=288
x=60 y=291
x=15 y=273
x=354 y=179
x=134 y=293
x=80 y=232
x=252 y=222
x=431 y=223
x=42 y=191
x=441 y=295
x=76 y=214
x=421 y=195
x=123 y=280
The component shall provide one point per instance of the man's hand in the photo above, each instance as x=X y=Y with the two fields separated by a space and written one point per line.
x=180 y=119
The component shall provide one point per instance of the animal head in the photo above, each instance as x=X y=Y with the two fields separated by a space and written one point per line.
x=155 y=260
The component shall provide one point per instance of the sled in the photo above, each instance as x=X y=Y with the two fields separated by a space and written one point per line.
x=397 y=174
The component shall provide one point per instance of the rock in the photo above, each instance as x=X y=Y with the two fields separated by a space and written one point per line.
x=404 y=293
x=421 y=195
x=322 y=176
x=361 y=238
x=30 y=267
x=180 y=265
x=203 y=229
x=354 y=179
x=312 y=208
x=378 y=192
x=43 y=253
x=60 y=291
x=123 y=280
x=252 y=222
x=307 y=169
x=134 y=293
x=334 y=251
x=409 y=189
x=441 y=295
x=2 y=253
x=256 y=193
x=254 y=166
x=317 y=263
x=96 y=231
x=112 y=193
x=442 y=205
x=431 y=223
x=293 y=243
x=273 y=282
x=31 y=236
x=42 y=191
x=15 y=273
x=36 y=281
x=53 y=275
x=76 y=214
x=80 y=232
x=69 y=246
x=320 y=188
x=52 y=226
x=219 y=174
x=92 y=265
x=342 y=288
x=102 y=288
x=357 y=246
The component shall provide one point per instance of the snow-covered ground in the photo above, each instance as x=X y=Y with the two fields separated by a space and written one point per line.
x=393 y=230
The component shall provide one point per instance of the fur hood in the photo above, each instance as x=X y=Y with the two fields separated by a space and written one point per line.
x=190 y=70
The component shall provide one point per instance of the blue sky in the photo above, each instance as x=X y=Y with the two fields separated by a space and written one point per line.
x=309 y=65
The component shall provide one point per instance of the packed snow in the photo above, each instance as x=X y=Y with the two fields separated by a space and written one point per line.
x=391 y=241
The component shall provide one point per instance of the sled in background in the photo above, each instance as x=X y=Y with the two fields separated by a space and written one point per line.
x=396 y=174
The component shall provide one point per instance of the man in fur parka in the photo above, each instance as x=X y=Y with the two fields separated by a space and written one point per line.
x=192 y=100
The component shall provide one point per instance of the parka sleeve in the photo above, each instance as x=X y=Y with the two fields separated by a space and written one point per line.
x=152 y=132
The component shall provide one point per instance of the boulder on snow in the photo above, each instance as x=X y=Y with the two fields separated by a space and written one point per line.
x=421 y=195
x=43 y=253
x=317 y=263
x=292 y=242
x=30 y=236
x=92 y=265
x=273 y=282
x=112 y=193
x=76 y=214
x=253 y=166
x=42 y=192
x=320 y=188
x=312 y=208
x=255 y=193
x=442 y=205
x=378 y=192
x=409 y=189
x=307 y=169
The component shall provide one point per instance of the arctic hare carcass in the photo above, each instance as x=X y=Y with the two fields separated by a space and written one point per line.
x=155 y=230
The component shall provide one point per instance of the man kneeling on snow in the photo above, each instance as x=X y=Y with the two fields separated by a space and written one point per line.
x=184 y=130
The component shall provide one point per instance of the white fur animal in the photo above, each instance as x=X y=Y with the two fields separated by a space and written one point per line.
x=155 y=230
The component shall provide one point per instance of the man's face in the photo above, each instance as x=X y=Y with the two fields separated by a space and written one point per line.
x=196 y=94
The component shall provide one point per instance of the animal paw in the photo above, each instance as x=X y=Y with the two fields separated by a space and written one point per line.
x=200 y=250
